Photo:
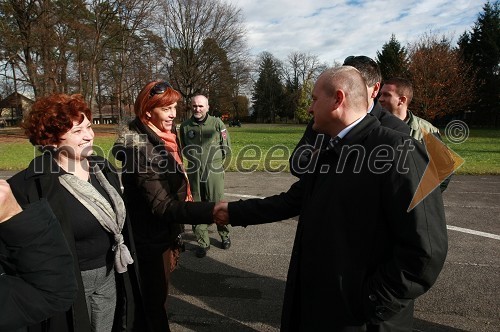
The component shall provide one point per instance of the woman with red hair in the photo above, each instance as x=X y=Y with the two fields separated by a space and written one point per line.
x=84 y=192
x=157 y=193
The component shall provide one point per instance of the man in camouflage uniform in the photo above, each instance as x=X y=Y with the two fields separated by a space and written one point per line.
x=205 y=142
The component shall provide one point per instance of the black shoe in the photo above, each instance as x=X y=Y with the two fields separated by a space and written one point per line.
x=201 y=251
x=226 y=244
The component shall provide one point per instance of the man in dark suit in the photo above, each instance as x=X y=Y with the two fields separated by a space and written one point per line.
x=373 y=256
x=370 y=70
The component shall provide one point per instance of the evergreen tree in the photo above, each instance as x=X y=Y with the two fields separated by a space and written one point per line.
x=393 y=60
x=268 y=92
x=481 y=48
x=291 y=95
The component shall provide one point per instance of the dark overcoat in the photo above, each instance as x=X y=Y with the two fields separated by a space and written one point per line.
x=155 y=188
x=37 y=279
x=360 y=257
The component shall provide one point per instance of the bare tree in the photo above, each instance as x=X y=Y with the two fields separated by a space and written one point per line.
x=102 y=16
x=196 y=32
x=17 y=25
x=299 y=69
x=30 y=31
x=107 y=50
x=302 y=67
x=242 y=79
x=133 y=23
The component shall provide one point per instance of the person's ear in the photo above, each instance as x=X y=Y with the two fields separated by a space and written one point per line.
x=376 y=89
x=402 y=100
x=340 y=96
x=148 y=115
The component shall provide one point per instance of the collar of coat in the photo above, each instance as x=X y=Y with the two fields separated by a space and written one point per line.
x=193 y=122
x=358 y=134
x=137 y=134
x=202 y=121
x=411 y=121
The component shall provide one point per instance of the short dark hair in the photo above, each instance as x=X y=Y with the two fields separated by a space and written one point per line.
x=368 y=68
x=403 y=87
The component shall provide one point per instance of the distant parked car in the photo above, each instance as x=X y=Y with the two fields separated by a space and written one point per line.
x=234 y=123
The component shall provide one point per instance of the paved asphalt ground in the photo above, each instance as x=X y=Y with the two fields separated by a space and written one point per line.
x=241 y=289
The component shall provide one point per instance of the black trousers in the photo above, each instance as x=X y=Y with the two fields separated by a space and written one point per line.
x=154 y=287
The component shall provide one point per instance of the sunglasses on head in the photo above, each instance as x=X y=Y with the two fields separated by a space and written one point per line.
x=159 y=88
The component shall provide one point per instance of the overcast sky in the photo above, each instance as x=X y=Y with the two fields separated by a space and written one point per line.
x=335 y=29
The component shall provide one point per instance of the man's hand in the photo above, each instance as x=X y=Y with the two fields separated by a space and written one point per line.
x=221 y=215
x=8 y=204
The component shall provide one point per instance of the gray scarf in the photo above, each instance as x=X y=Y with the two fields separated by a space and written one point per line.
x=112 y=218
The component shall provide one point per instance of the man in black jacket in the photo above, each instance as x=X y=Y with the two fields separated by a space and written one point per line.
x=36 y=267
x=373 y=255
x=370 y=70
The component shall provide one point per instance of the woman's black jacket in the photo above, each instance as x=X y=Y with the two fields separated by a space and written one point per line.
x=40 y=180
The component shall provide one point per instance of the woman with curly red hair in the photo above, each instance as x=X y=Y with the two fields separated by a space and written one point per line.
x=84 y=192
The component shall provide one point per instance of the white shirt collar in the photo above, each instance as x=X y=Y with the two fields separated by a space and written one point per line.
x=371 y=107
x=347 y=129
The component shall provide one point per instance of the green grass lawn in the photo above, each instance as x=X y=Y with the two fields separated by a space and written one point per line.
x=268 y=146
x=17 y=155
x=481 y=152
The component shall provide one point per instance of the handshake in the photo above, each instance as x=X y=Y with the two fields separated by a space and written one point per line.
x=221 y=214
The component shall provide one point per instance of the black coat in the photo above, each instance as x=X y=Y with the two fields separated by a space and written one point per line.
x=40 y=180
x=359 y=258
x=155 y=189
x=37 y=279
x=311 y=140
x=388 y=120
